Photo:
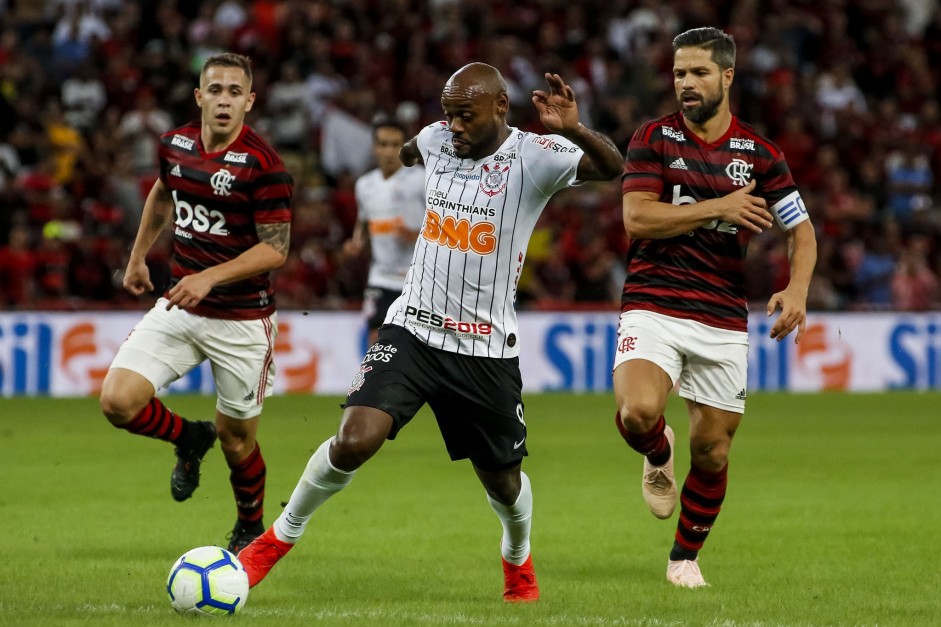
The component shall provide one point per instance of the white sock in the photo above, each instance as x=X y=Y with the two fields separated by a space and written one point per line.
x=517 y=521
x=319 y=481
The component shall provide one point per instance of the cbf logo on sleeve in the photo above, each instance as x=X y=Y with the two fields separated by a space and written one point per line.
x=494 y=178
x=739 y=171
x=221 y=182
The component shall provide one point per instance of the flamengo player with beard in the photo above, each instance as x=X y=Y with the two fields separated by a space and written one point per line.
x=696 y=184
x=451 y=338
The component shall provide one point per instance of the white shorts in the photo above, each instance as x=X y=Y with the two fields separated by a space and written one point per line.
x=165 y=345
x=710 y=364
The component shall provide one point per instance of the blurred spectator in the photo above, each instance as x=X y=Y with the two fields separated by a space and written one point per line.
x=141 y=128
x=287 y=108
x=18 y=261
x=84 y=97
x=914 y=285
x=908 y=180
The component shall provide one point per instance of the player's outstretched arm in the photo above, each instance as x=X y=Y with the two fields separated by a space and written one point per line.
x=558 y=112
x=792 y=301
x=158 y=209
x=409 y=154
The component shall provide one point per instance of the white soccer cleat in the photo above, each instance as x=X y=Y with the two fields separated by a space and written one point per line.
x=685 y=573
x=659 y=484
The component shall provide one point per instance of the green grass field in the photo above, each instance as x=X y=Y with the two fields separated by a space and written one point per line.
x=831 y=519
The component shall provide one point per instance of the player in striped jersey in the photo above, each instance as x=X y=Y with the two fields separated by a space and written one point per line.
x=696 y=184
x=451 y=339
x=390 y=201
x=229 y=198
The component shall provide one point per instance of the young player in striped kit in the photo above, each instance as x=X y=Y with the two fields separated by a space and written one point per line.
x=228 y=196
x=696 y=183
x=451 y=339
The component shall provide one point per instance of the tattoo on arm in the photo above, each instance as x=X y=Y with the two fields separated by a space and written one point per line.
x=277 y=235
x=158 y=222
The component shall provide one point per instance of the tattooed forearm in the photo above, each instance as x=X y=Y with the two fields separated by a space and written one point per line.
x=158 y=221
x=278 y=236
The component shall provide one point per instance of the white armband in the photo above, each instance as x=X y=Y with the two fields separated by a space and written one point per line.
x=790 y=211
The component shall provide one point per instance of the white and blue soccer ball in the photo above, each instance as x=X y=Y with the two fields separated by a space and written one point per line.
x=207 y=580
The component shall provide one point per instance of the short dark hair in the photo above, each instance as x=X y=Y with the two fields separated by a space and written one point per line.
x=383 y=121
x=229 y=59
x=720 y=43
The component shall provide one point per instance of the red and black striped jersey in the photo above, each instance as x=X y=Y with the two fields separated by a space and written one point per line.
x=700 y=275
x=219 y=198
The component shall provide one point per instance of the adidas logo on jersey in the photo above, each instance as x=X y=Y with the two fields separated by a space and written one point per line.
x=175 y=170
x=679 y=164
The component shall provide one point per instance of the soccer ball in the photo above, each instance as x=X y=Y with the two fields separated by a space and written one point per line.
x=207 y=580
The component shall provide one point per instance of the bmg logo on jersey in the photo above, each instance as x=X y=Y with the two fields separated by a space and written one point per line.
x=437 y=322
x=460 y=233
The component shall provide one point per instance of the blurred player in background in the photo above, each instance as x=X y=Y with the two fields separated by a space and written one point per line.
x=390 y=203
x=451 y=338
x=696 y=183
x=228 y=196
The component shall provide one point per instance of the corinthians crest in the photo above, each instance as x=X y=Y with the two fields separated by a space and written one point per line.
x=493 y=178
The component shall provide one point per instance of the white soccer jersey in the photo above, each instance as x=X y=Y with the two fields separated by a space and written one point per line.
x=385 y=205
x=460 y=291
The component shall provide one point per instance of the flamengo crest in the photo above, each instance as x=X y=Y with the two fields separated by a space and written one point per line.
x=493 y=178
x=221 y=182
x=739 y=171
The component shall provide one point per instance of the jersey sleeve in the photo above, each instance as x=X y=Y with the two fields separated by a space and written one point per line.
x=551 y=161
x=414 y=210
x=777 y=187
x=273 y=191
x=643 y=163
x=428 y=136
x=162 y=161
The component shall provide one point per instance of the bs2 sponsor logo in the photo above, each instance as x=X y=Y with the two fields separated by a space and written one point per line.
x=198 y=218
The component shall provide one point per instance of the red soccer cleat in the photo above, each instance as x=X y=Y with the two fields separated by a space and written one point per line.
x=260 y=556
x=519 y=582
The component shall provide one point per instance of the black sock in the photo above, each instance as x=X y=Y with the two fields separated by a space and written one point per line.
x=679 y=553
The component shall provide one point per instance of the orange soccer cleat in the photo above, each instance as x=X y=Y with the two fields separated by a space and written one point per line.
x=260 y=556
x=519 y=582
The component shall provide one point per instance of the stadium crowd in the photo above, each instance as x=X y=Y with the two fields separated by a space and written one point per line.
x=849 y=89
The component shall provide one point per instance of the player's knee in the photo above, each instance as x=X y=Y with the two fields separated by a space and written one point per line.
x=235 y=447
x=118 y=408
x=640 y=415
x=711 y=455
x=352 y=448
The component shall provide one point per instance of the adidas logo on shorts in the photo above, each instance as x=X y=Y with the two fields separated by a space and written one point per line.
x=740 y=396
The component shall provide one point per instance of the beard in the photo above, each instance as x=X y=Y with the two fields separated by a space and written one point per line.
x=706 y=109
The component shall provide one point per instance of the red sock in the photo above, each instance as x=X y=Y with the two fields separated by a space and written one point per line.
x=700 y=502
x=156 y=421
x=248 y=485
x=653 y=444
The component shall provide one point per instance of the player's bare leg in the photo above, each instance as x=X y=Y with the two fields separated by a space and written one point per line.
x=711 y=433
x=641 y=389
x=127 y=400
x=362 y=433
x=247 y=472
x=511 y=497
